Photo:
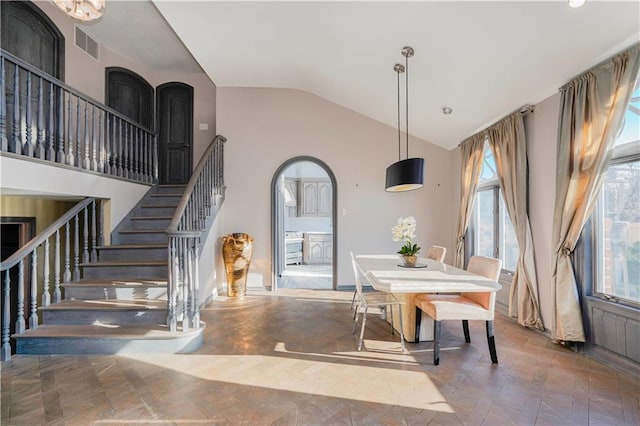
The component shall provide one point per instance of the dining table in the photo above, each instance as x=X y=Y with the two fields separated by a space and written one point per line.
x=387 y=273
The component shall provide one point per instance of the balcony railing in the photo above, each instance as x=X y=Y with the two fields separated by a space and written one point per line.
x=41 y=117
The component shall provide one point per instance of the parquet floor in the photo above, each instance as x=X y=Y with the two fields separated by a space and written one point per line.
x=290 y=359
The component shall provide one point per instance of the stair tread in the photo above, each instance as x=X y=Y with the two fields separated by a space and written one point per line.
x=126 y=263
x=132 y=246
x=148 y=332
x=143 y=231
x=151 y=217
x=158 y=206
x=120 y=282
x=112 y=305
x=168 y=194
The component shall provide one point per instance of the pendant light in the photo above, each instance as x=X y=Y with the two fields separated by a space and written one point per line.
x=82 y=10
x=407 y=174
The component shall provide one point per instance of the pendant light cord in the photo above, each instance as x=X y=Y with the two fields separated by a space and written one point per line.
x=406 y=97
x=399 y=138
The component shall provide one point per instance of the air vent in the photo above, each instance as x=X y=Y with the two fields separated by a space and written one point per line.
x=86 y=43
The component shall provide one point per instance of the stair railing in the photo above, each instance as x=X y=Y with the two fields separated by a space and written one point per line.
x=41 y=117
x=86 y=219
x=202 y=193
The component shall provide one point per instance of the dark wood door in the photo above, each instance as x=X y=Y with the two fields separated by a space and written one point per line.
x=175 y=132
x=31 y=36
x=129 y=94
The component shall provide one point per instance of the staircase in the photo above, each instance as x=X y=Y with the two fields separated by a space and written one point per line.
x=120 y=304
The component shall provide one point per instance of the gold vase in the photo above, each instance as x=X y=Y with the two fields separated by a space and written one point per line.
x=409 y=260
x=237 y=249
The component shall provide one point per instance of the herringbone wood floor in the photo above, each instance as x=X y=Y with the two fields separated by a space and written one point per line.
x=290 y=359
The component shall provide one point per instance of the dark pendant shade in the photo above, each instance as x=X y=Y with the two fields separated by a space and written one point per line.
x=405 y=175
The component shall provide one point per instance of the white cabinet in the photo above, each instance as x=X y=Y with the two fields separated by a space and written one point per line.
x=315 y=198
x=317 y=248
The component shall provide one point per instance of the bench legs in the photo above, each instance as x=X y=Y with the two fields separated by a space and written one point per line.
x=437 y=328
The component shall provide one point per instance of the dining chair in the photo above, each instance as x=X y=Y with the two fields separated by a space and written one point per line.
x=375 y=301
x=464 y=306
x=436 y=253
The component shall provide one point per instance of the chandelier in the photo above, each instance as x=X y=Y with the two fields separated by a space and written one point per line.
x=82 y=10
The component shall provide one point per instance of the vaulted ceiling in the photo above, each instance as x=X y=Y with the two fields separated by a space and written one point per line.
x=482 y=59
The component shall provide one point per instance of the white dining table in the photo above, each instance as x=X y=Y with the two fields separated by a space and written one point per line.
x=386 y=273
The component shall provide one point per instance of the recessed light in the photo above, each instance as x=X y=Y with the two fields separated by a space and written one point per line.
x=447 y=110
x=576 y=3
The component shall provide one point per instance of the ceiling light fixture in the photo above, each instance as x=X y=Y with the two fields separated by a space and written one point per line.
x=82 y=10
x=576 y=3
x=407 y=174
x=447 y=110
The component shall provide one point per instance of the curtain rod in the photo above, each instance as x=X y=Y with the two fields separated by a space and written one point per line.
x=523 y=110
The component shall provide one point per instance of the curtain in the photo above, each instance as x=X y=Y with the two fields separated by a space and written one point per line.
x=508 y=143
x=591 y=111
x=472 y=155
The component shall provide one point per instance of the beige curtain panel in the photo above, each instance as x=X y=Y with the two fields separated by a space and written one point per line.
x=509 y=147
x=472 y=154
x=591 y=111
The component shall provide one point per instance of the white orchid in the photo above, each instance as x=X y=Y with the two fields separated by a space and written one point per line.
x=405 y=230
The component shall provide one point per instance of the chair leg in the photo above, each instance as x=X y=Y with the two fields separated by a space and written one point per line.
x=353 y=299
x=418 y=322
x=492 y=342
x=364 y=323
x=355 y=321
x=437 y=327
x=465 y=328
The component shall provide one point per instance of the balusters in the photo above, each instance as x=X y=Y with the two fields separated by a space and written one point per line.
x=78 y=162
x=155 y=158
x=196 y=285
x=27 y=147
x=16 y=143
x=6 y=317
x=120 y=151
x=101 y=145
x=4 y=143
x=92 y=141
x=76 y=249
x=172 y=280
x=86 y=163
x=40 y=140
x=51 y=150
x=127 y=150
x=136 y=149
x=57 y=295
x=85 y=234
x=46 y=296
x=33 y=294
x=94 y=254
x=108 y=156
x=60 y=152
x=69 y=132
x=188 y=281
x=20 y=323
x=100 y=225
x=67 y=255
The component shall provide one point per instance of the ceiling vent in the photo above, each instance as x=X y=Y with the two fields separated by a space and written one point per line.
x=88 y=44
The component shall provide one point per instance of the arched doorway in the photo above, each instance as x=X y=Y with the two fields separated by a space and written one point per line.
x=304 y=225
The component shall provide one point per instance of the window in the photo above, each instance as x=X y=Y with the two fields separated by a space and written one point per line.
x=616 y=217
x=491 y=229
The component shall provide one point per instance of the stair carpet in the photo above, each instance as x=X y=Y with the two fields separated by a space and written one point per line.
x=120 y=304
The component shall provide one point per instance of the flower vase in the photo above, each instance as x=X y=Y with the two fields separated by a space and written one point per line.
x=409 y=260
x=237 y=250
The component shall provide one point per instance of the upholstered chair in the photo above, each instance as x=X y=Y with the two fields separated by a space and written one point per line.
x=464 y=306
